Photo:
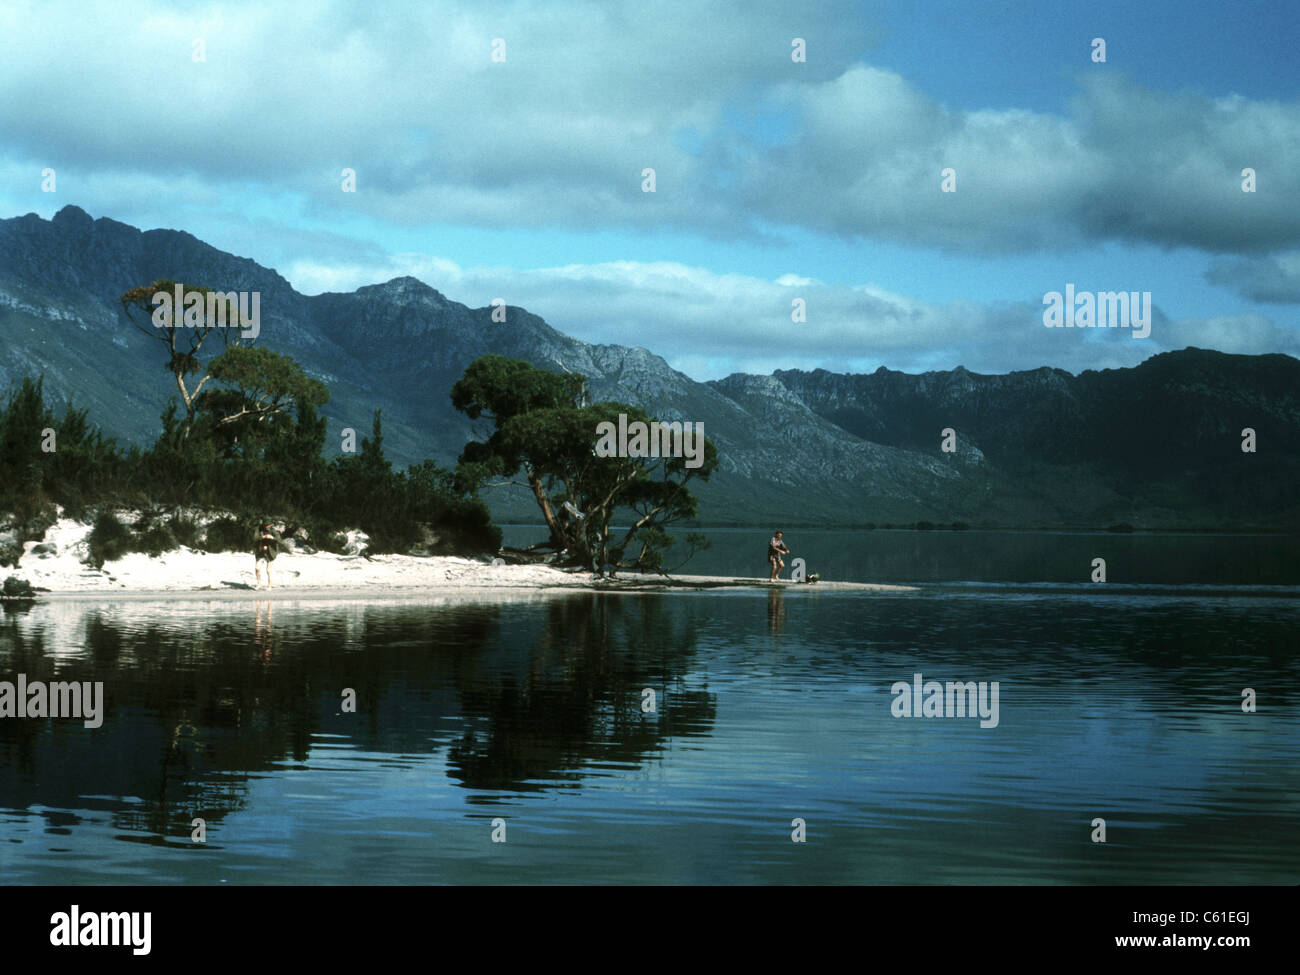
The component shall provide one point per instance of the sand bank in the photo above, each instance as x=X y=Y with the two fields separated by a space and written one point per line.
x=59 y=567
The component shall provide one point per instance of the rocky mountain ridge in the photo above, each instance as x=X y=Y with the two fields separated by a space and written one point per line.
x=1152 y=445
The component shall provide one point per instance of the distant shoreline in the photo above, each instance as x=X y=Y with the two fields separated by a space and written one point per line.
x=969 y=529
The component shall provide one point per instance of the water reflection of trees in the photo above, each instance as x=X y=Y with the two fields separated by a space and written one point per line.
x=579 y=705
x=519 y=697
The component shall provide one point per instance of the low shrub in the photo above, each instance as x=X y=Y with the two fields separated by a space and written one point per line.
x=15 y=588
x=11 y=549
x=185 y=530
x=229 y=535
x=325 y=538
x=155 y=540
x=109 y=540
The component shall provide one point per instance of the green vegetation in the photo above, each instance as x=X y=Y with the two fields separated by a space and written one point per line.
x=243 y=435
x=230 y=535
x=273 y=471
x=36 y=474
x=185 y=530
x=15 y=588
x=109 y=539
x=544 y=430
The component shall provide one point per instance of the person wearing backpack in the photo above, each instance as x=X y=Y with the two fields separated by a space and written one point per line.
x=775 y=549
x=264 y=551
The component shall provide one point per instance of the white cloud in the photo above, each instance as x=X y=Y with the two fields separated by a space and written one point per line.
x=708 y=324
x=1274 y=280
x=592 y=93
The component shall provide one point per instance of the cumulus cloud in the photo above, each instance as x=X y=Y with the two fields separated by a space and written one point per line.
x=746 y=144
x=708 y=324
x=1126 y=164
x=1270 y=280
x=289 y=94
x=1248 y=334
x=590 y=94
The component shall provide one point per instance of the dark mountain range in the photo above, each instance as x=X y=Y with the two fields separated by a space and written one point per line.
x=1158 y=445
x=1164 y=438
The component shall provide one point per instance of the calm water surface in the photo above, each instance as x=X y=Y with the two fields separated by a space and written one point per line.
x=1120 y=701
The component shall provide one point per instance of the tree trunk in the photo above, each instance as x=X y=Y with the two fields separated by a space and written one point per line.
x=189 y=407
x=557 y=536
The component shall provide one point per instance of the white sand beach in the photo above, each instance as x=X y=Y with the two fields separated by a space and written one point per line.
x=59 y=566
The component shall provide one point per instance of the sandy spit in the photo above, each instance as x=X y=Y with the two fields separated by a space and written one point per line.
x=190 y=574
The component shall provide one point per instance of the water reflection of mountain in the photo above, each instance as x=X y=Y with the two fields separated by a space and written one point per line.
x=199 y=701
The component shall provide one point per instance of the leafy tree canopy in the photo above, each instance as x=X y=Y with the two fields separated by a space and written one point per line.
x=543 y=429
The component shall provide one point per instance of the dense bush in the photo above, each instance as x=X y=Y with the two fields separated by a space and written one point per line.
x=274 y=469
x=229 y=535
x=18 y=530
x=11 y=550
x=398 y=509
x=15 y=588
x=324 y=537
x=109 y=540
x=48 y=459
x=185 y=530
x=155 y=540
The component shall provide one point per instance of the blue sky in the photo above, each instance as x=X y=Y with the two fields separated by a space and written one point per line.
x=819 y=180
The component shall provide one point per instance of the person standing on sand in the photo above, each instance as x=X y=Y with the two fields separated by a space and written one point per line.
x=264 y=551
x=775 y=549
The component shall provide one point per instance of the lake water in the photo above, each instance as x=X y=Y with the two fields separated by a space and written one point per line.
x=1120 y=701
